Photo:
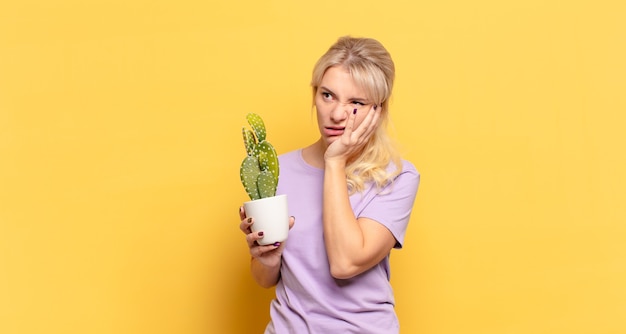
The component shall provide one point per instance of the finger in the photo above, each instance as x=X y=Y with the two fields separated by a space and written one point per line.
x=362 y=128
x=251 y=238
x=372 y=120
x=245 y=225
x=372 y=117
x=350 y=124
x=292 y=221
x=242 y=213
x=258 y=251
x=368 y=125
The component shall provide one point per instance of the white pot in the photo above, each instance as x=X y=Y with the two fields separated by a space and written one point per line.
x=271 y=216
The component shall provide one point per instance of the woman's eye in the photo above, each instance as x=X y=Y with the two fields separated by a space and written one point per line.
x=326 y=95
x=360 y=104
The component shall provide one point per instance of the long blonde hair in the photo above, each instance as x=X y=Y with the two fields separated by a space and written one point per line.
x=371 y=67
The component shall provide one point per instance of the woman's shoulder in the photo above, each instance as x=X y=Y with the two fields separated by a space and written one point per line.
x=291 y=156
x=407 y=175
x=406 y=167
x=294 y=160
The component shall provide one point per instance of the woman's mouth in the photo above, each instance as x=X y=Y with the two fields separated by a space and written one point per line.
x=333 y=131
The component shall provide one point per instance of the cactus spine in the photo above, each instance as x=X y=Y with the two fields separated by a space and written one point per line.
x=259 y=170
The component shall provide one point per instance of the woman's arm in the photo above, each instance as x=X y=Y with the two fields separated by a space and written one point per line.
x=353 y=245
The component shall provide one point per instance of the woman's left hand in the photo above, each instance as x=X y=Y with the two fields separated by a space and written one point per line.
x=353 y=138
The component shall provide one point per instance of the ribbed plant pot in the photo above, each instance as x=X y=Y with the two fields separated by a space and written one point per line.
x=271 y=216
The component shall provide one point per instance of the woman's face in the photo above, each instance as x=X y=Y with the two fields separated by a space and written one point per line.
x=337 y=97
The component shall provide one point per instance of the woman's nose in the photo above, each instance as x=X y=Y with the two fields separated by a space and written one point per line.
x=340 y=112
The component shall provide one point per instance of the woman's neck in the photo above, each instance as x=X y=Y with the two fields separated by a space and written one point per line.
x=314 y=154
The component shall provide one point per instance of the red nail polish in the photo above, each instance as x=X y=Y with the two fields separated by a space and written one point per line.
x=261 y=234
x=277 y=244
x=354 y=112
x=249 y=220
x=375 y=106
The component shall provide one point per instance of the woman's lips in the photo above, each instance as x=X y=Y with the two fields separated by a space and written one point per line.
x=333 y=131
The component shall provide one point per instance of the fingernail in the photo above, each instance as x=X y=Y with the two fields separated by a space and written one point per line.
x=294 y=218
x=277 y=244
x=261 y=234
x=354 y=112
x=375 y=106
x=240 y=209
x=249 y=220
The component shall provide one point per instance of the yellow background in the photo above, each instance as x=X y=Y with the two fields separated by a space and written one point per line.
x=120 y=147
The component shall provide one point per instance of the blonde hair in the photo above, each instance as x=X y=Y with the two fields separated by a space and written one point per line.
x=372 y=68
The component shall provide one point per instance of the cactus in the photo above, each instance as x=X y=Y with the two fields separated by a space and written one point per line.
x=259 y=170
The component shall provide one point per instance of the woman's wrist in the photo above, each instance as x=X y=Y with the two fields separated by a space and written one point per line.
x=335 y=163
x=265 y=266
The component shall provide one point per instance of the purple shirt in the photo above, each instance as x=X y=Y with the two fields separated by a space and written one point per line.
x=308 y=299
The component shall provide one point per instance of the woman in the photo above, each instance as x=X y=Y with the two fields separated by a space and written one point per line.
x=352 y=196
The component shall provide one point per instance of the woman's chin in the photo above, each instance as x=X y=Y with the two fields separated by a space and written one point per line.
x=330 y=139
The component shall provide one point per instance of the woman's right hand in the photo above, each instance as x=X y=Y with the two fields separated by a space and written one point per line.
x=268 y=255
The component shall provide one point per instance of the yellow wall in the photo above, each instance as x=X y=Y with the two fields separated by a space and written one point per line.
x=120 y=147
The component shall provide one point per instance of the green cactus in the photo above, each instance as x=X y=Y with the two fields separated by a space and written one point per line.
x=259 y=170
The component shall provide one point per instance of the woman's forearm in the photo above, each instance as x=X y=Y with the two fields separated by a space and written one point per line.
x=343 y=236
x=265 y=276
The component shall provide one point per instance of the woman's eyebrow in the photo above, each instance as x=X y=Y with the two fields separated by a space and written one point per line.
x=328 y=90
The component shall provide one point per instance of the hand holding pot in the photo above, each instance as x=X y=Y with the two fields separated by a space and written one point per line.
x=268 y=255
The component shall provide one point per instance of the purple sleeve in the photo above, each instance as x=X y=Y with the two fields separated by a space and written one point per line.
x=392 y=207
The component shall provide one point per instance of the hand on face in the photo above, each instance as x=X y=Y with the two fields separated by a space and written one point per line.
x=353 y=138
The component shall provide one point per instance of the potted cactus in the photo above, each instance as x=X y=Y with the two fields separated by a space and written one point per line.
x=259 y=173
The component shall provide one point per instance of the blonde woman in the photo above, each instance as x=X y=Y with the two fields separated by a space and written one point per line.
x=352 y=195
